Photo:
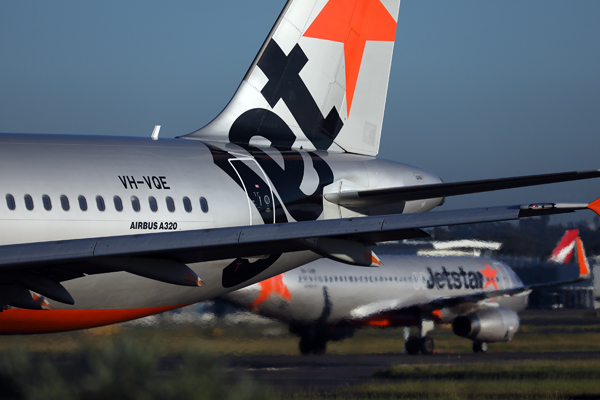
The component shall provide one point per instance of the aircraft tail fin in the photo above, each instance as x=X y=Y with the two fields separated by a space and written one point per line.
x=565 y=248
x=584 y=266
x=318 y=82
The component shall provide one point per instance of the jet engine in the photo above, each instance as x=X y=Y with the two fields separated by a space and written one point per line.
x=497 y=324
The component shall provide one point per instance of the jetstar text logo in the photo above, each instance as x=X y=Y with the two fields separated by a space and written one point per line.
x=454 y=279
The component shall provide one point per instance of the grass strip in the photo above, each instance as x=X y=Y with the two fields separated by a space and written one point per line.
x=513 y=371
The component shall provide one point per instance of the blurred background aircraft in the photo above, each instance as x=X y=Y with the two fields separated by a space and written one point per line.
x=417 y=285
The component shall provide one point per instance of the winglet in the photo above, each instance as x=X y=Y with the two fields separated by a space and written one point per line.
x=584 y=267
x=595 y=206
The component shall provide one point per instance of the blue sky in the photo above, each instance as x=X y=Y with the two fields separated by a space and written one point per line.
x=478 y=89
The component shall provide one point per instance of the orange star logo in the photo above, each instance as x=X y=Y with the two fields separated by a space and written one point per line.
x=490 y=276
x=353 y=22
x=270 y=286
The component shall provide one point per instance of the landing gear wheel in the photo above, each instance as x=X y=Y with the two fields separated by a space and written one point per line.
x=413 y=345
x=314 y=346
x=480 y=347
x=304 y=346
x=427 y=345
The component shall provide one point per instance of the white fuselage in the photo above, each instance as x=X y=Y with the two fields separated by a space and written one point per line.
x=326 y=292
x=40 y=173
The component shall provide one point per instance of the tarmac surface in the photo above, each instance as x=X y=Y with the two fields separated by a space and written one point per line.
x=327 y=372
x=324 y=372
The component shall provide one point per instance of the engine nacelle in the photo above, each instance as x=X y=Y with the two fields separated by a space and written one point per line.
x=497 y=324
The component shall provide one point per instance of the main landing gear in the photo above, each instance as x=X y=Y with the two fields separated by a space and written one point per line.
x=422 y=343
x=312 y=344
x=479 y=347
x=416 y=344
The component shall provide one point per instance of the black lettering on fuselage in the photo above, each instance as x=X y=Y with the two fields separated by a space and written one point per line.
x=153 y=182
x=464 y=277
x=132 y=182
x=156 y=182
x=163 y=180
x=454 y=279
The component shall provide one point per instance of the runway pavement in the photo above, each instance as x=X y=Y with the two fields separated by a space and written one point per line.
x=334 y=371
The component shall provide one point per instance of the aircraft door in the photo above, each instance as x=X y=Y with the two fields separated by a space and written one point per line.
x=258 y=188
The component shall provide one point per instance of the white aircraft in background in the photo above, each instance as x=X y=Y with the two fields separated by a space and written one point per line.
x=479 y=296
x=98 y=230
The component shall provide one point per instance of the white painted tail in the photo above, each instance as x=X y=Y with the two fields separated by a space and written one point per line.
x=319 y=81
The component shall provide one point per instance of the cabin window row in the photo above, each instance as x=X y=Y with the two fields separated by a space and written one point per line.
x=117 y=202
x=304 y=278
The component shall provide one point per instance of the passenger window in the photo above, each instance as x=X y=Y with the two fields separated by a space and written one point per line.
x=47 y=202
x=135 y=203
x=82 y=203
x=28 y=202
x=153 y=205
x=10 y=202
x=100 y=203
x=170 y=204
x=203 y=205
x=118 y=203
x=187 y=204
x=64 y=202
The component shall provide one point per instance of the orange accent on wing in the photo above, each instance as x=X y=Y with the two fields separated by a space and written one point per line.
x=369 y=256
x=353 y=22
x=270 y=286
x=490 y=275
x=595 y=206
x=16 y=321
x=584 y=268
x=437 y=316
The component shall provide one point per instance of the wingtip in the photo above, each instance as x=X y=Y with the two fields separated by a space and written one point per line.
x=595 y=206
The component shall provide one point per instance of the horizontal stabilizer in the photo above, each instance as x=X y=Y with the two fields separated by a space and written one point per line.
x=374 y=197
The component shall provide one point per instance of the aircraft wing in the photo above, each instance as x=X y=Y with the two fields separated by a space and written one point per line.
x=246 y=241
x=163 y=256
x=374 y=197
